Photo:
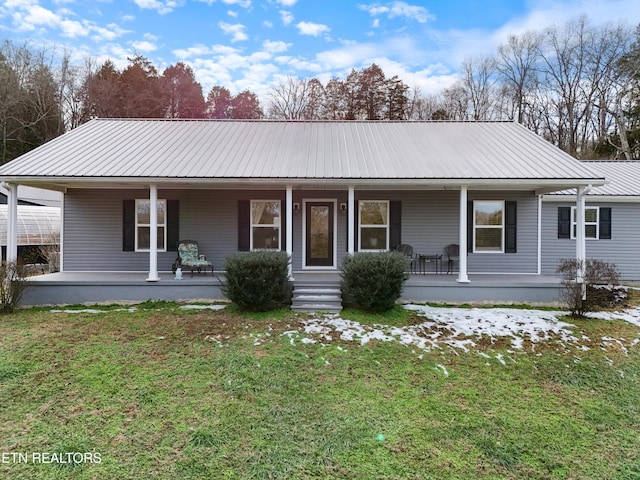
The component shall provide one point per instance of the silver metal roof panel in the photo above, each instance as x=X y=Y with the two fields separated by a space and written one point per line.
x=623 y=177
x=322 y=150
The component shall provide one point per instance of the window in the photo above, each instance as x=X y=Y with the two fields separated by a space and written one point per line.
x=591 y=218
x=488 y=226
x=143 y=225
x=373 y=225
x=265 y=224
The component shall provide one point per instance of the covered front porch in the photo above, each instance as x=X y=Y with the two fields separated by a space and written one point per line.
x=64 y=288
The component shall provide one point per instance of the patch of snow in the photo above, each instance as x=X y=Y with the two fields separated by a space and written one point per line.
x=94 y=310
x=515 y=324
x=458 y=329
x=631 y=315
x=202 y=307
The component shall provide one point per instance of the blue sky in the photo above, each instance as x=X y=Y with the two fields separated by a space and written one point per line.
x=251 y=44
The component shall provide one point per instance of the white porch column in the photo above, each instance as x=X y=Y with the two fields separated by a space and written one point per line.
x=351 y=218
x=581 y=246
x=289 y=228
x=12 y=222
x=462 y=273
x=153 y=234
x=539 y=235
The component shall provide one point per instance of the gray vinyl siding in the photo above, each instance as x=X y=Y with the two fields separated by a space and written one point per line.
x=430 y=221
x=623 y=249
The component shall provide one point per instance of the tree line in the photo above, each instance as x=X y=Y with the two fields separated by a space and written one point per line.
x=576 y=85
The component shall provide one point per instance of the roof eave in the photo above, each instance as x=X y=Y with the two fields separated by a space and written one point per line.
x=540 y=186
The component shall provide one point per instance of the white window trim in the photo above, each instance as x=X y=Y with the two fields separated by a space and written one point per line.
x=263 y=225
x=596 y=223
x=363 y=225
x=501 y=227
x=162 y=224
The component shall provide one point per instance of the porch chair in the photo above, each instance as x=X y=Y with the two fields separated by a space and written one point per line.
x=407 y=250
x=452 y=252
x=189 y=257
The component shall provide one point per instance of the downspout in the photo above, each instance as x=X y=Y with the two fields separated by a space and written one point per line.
x=539 y=234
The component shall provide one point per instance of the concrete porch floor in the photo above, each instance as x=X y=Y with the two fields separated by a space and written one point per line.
x=62 y=288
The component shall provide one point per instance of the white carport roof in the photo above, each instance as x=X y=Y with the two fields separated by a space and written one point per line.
x=111 y=153
x=37 y=225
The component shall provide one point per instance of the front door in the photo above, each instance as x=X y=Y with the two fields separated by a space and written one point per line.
x=319 y=234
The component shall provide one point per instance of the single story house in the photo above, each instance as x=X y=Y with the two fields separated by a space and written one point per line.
x=318 y=190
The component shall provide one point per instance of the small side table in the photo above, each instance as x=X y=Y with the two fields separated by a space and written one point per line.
x=423 y=260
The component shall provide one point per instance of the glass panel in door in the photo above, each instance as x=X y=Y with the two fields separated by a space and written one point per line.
x=319 y=234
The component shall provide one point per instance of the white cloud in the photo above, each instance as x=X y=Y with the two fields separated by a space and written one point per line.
x=399 y=9
x=267 y=24
x=237 y=31
x=275 y=46
x=29 y=16
x=144 y=46
x=287 y=3
x=310 y=28
x=200 y=50
x=108 y=33
x=240 y=3
x=233 y=14
x=287 y=17
x=162 y=7
x=32 y=16
x=73 y=29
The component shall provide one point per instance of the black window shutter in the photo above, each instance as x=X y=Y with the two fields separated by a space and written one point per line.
x=244 y=225
x=173 y=224
x=605 y=223
x=356 y=231
x=395 y=224
x=470 y=226
x=283 y=226
x=564 y=222
x=510 y=222
x=128 y=225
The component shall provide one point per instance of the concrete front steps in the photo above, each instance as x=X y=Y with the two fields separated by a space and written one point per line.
x=308 y=297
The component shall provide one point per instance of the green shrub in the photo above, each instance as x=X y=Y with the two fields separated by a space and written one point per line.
x=258 y=281
x=601 y=285
x=373 y=281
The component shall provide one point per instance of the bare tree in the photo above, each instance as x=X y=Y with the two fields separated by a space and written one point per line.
x=516 y=62
x=478 y=80
x=289 y=99
x=29 y=100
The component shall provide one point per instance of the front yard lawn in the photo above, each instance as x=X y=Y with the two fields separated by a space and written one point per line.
x=159 y=391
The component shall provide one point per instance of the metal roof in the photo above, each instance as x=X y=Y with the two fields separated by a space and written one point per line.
x=325 y=151
x=623 y=177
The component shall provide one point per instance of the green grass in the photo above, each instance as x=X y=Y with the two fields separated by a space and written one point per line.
x=165 y=393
